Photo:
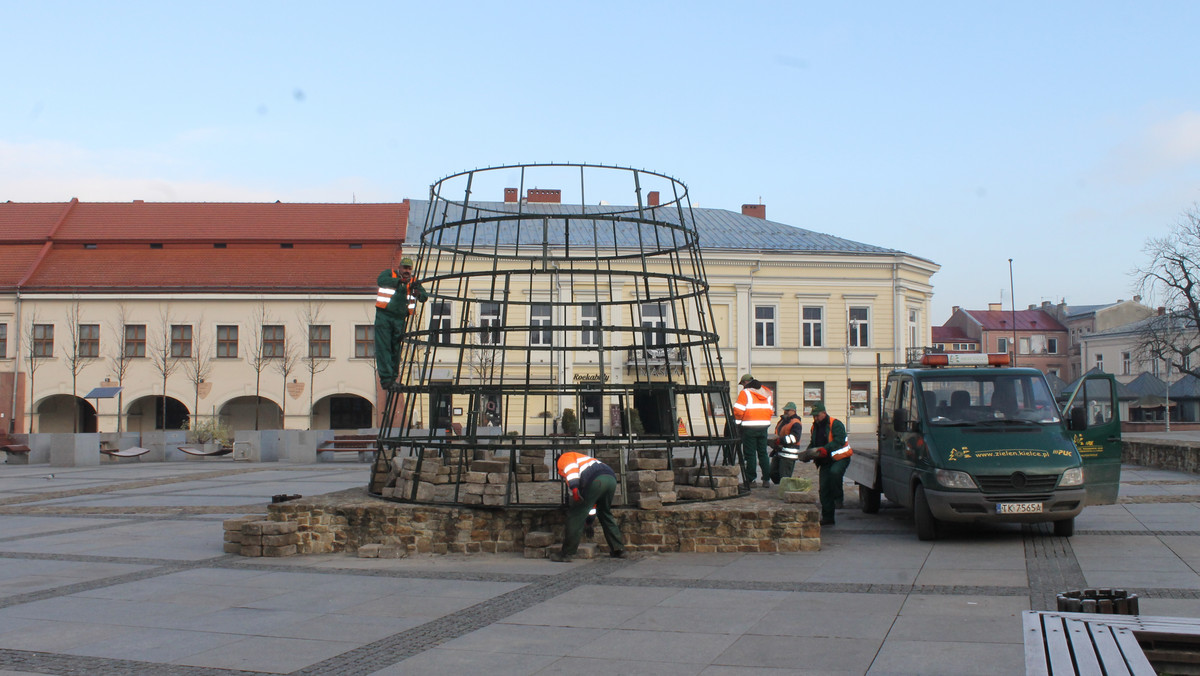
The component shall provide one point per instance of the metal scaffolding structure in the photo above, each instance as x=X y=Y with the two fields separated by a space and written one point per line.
x=555 y=326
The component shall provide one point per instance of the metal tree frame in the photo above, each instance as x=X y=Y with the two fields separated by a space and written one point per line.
x=524 y=290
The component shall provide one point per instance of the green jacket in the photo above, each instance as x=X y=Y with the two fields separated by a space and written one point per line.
x=829 y=437
x=398 y=305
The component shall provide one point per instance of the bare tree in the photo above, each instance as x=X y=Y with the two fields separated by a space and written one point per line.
x=316 y=359
x=35 y=338
x=120 y=358
x=198 y=364
x=256 y=354
x=159 y=350
x=1172 y=276
x=76 y=357
x=284 y=362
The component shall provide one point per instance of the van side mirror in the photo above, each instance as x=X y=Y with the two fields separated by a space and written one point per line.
x=1077 y=420
x=900 y=420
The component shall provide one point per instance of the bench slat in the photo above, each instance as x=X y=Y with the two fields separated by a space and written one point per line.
x=1082 y=648
x=1108 y=650
x=1057 y=645
x=1134 y=657
x=1036 y=663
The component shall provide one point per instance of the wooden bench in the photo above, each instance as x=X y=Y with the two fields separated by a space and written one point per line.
x=131 y=452
x=17 y=454
x=362 y=444
x=1089 y=643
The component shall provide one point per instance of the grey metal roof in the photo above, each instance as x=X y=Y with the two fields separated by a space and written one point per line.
x=1146 y=383
x=1187 y=387
x=717 y=228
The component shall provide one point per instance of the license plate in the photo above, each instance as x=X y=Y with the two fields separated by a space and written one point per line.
x=1019 y=508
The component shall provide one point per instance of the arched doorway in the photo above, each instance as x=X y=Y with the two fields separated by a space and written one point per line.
x=145 y=414
x=241 y=414
x=66 y=413
x=343 y=412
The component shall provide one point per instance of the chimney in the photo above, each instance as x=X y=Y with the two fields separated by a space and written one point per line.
x=652 y=198
x=1137 y=299
x=1031 y=307
x=995 y=307
x=511 y=195
x=544 y=196
x=954 y=310
x=1046 y=304
x=755 y=210
x=1161 y=310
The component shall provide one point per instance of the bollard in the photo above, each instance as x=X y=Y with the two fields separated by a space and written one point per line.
x=1102 y=601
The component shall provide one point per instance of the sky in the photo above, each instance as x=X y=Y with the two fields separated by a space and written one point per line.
x=1061 y=135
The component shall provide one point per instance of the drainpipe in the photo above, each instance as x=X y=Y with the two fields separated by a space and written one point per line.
x=12 y=415
x=750 y=315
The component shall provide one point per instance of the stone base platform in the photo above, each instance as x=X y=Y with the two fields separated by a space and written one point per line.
x=347 y=520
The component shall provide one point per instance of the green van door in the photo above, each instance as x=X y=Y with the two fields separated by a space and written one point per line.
x=1095 y=425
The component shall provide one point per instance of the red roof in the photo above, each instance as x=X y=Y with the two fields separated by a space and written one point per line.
x=198 y=246
x=1026 y=320
x=950 y=334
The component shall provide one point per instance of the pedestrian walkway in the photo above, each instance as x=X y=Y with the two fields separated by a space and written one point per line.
x=119 y=569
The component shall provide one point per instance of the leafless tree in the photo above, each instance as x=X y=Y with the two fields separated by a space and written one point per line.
x=76 y=358
x=198 y=364
x=314 y=359
x=284 y=363
x=1172 y=277
x=120 y=358
x=256 y=353
x=159 y=350
x=34 y=357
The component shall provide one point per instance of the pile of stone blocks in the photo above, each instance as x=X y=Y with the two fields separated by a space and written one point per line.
x=483 y=477
x=253 y=536
x=696 y=483
x=649 y=480
x=531 y=465
x=539 y=544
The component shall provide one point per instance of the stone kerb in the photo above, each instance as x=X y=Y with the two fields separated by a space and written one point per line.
x=1171 y=454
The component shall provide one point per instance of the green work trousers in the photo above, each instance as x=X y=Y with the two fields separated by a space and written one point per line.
x=781 y=468
x=754 y=446
x=829 y=479
x=599 y=494
x=389 y=331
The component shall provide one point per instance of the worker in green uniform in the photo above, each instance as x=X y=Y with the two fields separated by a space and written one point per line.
x=396 y=300
x=831 y=452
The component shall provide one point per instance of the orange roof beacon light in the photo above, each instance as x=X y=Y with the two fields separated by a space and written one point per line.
x=936 y=360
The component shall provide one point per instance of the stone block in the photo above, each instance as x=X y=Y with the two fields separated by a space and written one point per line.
x=370 y=551
x=281 y=540
x=251 y=550
x=494 y=489
x=649 y=502
x=392 y=552
x=425 y=491
x=475 y=477
x=236 y=524
x=587 y=550
x=493 y=500
x=497 y=477
x=639 y=464
x=471 y=489
x=488 y=466
x=539 y=538
x=285 y=550
x=680 y=463
x=668 y=497
x=233 y=536
x=695 y=493
x=278 y=527
x=800 y=497
x=233 y=548
x=536 y=552
x=664 y=475
x=471 y=499
x=254 y=527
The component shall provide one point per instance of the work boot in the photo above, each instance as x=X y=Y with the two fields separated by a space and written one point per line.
x=826 y=522
x=766 y=483
x=589 y=531
x=559 y=557
x=619 y=554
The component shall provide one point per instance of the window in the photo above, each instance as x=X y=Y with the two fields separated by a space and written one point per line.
x=539 y=316
x=364 y=341
x=89 y=340
x=654 y=325
x=274 y=341
x=1002 y=345
x=764 y=326
x=860 y=397
x=439 y=322
x=860 y=327
x=1156 y=368
x=3 y=341
x=914 y=328
x=589 y=317
x=319 y=341
x=1126 y=364
x=489 y=323
x=810 y=326
x=227 y=342
x=43 y=340
x=1100 y=362
x=135 y=340
x=1023 y=346
x=813 y=392
x=1052 y=345
x=181 y=341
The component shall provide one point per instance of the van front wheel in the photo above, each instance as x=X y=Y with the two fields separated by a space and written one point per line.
x=926 y=523
x=868 y=499
x=1065 y=528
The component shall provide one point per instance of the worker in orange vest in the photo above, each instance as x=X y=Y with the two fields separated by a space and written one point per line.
x=592 y=484
x=753 y=410
x=831 y=452
x=395 y=301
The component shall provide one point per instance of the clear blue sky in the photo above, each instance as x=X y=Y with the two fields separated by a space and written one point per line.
x=1058 y=134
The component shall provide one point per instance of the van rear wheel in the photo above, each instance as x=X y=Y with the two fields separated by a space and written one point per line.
x=868 y=499
x=926 y=523
x=1065 y=528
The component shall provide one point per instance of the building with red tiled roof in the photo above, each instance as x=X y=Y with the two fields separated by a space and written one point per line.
x=1033 y=337
x=199 y=269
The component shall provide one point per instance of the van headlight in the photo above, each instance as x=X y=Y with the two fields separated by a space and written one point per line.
x=1071 y=477
x=954 y=479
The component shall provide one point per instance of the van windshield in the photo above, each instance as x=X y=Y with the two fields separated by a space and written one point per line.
x=957 y=399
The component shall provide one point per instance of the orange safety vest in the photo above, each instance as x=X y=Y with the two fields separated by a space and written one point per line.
x=754 y=408
x=570 y=465
x=844 y=451
x=384 y=296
